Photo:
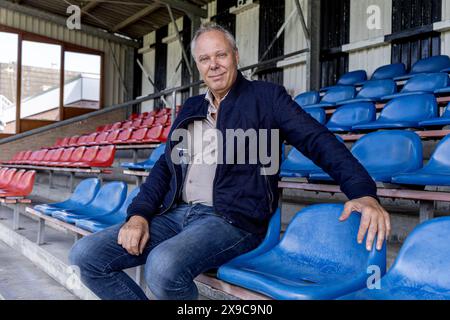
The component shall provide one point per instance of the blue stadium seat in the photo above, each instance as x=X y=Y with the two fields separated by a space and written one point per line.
x=333 y=96
x=349 y=79
x=385 y=154
x=83 y=194
x=421 y=270
x=108 y=199
x=296 y=165
x=147 y=164
x=427 y=65
x=435 y=173
x=318 y=114
x=307 y=98
x=389 y=71
x=403 y=112
x=99 y=223
x=352 y=114
x=441 y=121
x=422 y=83
x=372 y=91
x=317 y=258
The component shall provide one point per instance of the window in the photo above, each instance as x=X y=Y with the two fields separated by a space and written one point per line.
x=8 y=81
x=82 y=80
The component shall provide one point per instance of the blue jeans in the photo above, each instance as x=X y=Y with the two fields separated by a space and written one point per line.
x=184 y=242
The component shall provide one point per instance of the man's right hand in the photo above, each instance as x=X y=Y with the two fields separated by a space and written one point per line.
x=134 y=234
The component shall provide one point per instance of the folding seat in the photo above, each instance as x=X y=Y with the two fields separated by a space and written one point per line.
x=385 y=154
x=440 y=121
x=83 y=194
x=75 y=156
x=15 y=158
x=34 y=154
x=334 y=95
x=48 y=157
x=421 y=270
x=64 y=142
x=90 y=139
x=99 y=139
x=111 y=137
x=99 y=223
x=148 y=122
x=427 y=65
x=435 y=173
x=403 y=112
x=153 y=134
x=143 y=115
x=56 y=156
x=81 y=140
x=12 y=178
x=318 y=114
x=349 y=79
x=126 y=124
x=116 y=126
x=21 y=187
x=73 y=141
x=123 y=136
x=7 y=176
x=88 y=157
x=350 y=115
x=147 y=164
x=307 y=98
x=108 y=200
x=57 y=143
x=372 y=91
x=164 y=134
x=133 y=116
x=318 y=257
x=162 y=112
x=389 y=71
x=297 y=165
x=137 y=135
x=104 y=157
x=421 y=83
x=2 y=173
x=162 y=120
x=136 y=123
x=108 y=127
x=39 y=157
x=26 y=156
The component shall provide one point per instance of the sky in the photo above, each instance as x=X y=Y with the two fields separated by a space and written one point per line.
x=45 y=55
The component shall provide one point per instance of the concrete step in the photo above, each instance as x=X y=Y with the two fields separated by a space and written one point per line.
x=22 y=280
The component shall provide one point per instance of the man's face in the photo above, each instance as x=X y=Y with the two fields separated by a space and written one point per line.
x=216 y=61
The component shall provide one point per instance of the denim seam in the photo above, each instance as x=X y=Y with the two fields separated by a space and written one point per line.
x=230 y=247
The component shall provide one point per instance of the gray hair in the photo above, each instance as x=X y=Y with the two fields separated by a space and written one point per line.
x=212 y=26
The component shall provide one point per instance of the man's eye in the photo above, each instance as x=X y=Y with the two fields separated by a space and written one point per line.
x=221 y=55
x=203 y=59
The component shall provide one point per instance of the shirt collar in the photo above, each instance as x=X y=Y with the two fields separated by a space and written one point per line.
x=210 y=98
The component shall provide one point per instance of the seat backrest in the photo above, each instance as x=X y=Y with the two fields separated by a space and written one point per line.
x=154 y=132
x=26 y=183
x=440 y=158
x=428 y=82
x=338 y=93
x=157 y=153
x=148 y=122
x=2 y=172
x=123 y=208
x=125 y=134
x=102 y=136
x=424 y=258
x=73 y=140
x=89 y=154
x=307 y=98
x=389 y=71
x=86 y=191
x=315 y=235
x=15 y=180
x=91 y=138
x=27 y=155
x=431 y=64
x=354 y=113
x=415 y=107
x=317 y=113
x=296 y=161
x=77 y=154
x=110 y=197
x=377 y=88
x=126 y=124
x=116 y=125
x=395 y=151
x=446 y=113
x=34 y=155
x=82 y=139
x=49 y=154
x=164 y=134
x=162 y=120
x=139 y=134
x=143 y=115
x=352 y=77
x=65 y=141
x=66 y=155
x=41 y=155
x=18 y=156
x=57 y=155
x=105 y=156
x=112 y=135
x=136 y=123
x=7 y=177
x=108 y=126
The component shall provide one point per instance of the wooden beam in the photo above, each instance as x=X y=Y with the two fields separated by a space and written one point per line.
x=135 y=17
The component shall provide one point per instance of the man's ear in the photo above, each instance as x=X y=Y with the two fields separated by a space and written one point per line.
x=236 y=55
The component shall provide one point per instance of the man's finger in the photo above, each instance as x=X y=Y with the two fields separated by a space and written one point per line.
x=143 y=242
x=387 y=221
x=348 y=207
x=381 y=232
x=371 y=234
x=364 y=224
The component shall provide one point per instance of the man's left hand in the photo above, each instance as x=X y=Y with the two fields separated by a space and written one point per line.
x=373 y=218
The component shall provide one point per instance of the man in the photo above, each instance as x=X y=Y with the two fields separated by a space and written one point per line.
x=190 y=218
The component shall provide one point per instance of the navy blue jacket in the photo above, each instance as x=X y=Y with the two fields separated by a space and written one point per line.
x=241 y=194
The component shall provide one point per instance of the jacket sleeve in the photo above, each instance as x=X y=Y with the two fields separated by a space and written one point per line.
x=316 y=142
x=151 y=194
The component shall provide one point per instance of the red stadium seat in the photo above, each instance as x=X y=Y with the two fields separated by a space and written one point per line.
x=100 y=128
x=90 y=139
x=65 y=142
x=34 y=154
x=6 y=178
x=65 y=157
x=108 y=127
x=99 y=138
x=20 y=187
x=153 y=134
x=105 y=157
x=148 y=122
x=39 y=157
x=164 y=134
x=73 y=141
x=76 y=156
x=88 y=157
x=137 y=135
x=48 y=156
x=14 y=180
x=126 y=124
x=112 y=136
x=55 y=157
x=116 y=125
x=26 y=156
x=81 y=140
x=123 y=136
x=162 y=120
x=137 y=123
x=143 y=115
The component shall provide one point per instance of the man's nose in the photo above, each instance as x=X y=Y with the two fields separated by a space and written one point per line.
x=213 y=64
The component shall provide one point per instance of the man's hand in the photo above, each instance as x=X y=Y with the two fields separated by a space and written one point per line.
x=133 y=235
x=373 y=218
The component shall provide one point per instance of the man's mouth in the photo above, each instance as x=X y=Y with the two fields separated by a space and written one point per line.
x=216 y=77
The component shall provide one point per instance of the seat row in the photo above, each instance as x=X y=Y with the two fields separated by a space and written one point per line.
x=318 y=257
x=415 y=111
x=16 y=183
x=73 y=157
x=389 y=156
x=136 y=123
x=376 y=91
x=91 y=206
x=154 y=113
